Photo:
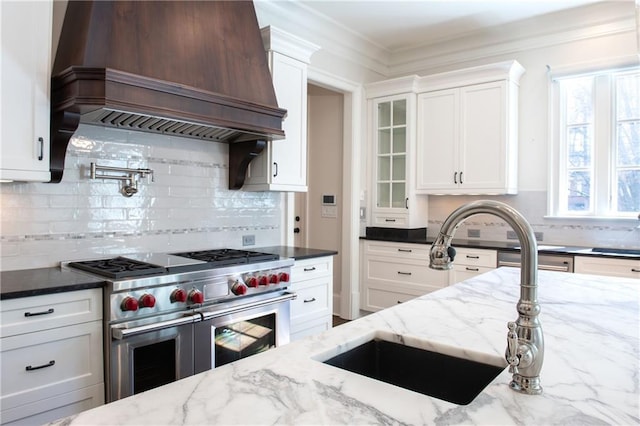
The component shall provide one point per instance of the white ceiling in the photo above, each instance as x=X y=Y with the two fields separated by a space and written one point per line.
x=406 y=24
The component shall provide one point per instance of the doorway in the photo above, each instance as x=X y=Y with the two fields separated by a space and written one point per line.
x=318 y=212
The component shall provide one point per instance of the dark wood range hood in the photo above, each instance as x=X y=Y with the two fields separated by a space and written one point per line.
x=189 y=68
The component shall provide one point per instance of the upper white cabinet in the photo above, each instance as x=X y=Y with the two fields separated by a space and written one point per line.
x=392 y=109
x=282 y=166
x=26 y=75
x=467 y=131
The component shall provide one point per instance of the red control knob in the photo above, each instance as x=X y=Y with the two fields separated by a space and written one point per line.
x=196 y=296
x=178 y=295
x=274 y=279
x=252 y=282
x=129 y=304
x=263 y=280
x=238 y=288
x=284 y=277
x=147 y=301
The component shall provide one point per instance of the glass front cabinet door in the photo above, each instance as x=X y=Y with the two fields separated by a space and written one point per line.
x=393 y=168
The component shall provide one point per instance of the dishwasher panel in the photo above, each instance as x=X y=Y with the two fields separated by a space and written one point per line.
x=546 y=262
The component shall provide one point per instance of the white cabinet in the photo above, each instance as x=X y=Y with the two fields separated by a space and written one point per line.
x=392 y=109
x=282 y=166
x=470 y=262
x=393 y=273
x=626 y=268
x=467 y=132
x=312 y=310
x=26 y=75
x=51 y=356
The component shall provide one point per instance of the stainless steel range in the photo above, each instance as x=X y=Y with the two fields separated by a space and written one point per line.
x=169 y=316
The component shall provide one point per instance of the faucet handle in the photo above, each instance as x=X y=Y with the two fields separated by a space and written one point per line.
x=512 y=347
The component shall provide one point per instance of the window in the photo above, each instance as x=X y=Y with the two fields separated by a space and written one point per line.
x=597 y=135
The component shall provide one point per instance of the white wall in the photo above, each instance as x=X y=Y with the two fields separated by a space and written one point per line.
x=187 y=207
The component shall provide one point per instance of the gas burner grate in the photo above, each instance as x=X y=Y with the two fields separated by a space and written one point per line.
x=119 y=267
x=223 y=257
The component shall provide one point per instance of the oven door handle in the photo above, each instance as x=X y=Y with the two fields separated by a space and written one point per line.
x=265 y=302
x=123 y=333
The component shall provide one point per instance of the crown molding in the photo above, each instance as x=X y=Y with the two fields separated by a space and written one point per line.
x=474 y=48
x=582 y=23
x=333 y=38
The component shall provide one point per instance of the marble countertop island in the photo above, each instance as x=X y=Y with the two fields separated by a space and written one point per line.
x=591 y=371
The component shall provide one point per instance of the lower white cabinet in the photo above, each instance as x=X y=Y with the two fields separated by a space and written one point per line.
x=51 y=356
x=470 y=262
x=393 y=273
x=626 y=268
x=311 y=311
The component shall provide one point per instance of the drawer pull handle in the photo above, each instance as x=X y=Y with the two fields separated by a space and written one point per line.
x=35 y=314
x=313 y=299
x=406 y=250
x=635 y=270
x=404 y=273
x=50 y=364
x=472 y=257
x=389 y=220
x=313 y=268
x=472 y=269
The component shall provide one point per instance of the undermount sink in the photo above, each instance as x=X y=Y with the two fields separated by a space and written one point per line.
x=441 y=376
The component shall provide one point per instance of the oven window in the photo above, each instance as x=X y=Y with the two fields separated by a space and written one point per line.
x=244 y=338
x=154 y=365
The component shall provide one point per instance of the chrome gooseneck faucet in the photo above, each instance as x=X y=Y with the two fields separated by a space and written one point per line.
x=525 y=342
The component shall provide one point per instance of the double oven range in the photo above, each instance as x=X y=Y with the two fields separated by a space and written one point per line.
x=169 y=316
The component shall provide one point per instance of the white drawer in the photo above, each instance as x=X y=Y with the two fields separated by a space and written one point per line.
x=626 y=268
x=398 y=272
x=51 y=409
x=476 y=257
x=29 y=314
x=313 y=299
x=70 y=358
x=308 y=269
x=390 y=220
x=398 y=250
x=380 y=299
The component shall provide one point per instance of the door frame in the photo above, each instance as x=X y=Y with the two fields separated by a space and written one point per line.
x=353 y=93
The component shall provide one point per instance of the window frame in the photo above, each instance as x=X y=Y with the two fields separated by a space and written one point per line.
x=603 y=167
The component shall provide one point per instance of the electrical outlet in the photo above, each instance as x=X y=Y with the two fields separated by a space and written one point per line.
x=473 y=233
x=538 y=235
x=248 y=240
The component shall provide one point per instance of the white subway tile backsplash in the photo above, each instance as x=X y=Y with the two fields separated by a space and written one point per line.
x=187 y=206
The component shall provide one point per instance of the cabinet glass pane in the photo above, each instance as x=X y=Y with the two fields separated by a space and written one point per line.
x=384 y=114
x=384 y=168
x=384 y=141
x=399 y=112
x=398 y=195
x=384 y=195
x=400 y=140
x=399 y=168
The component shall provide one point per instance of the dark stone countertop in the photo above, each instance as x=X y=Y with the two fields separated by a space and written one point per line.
x=36 y=282
x=297 y=253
